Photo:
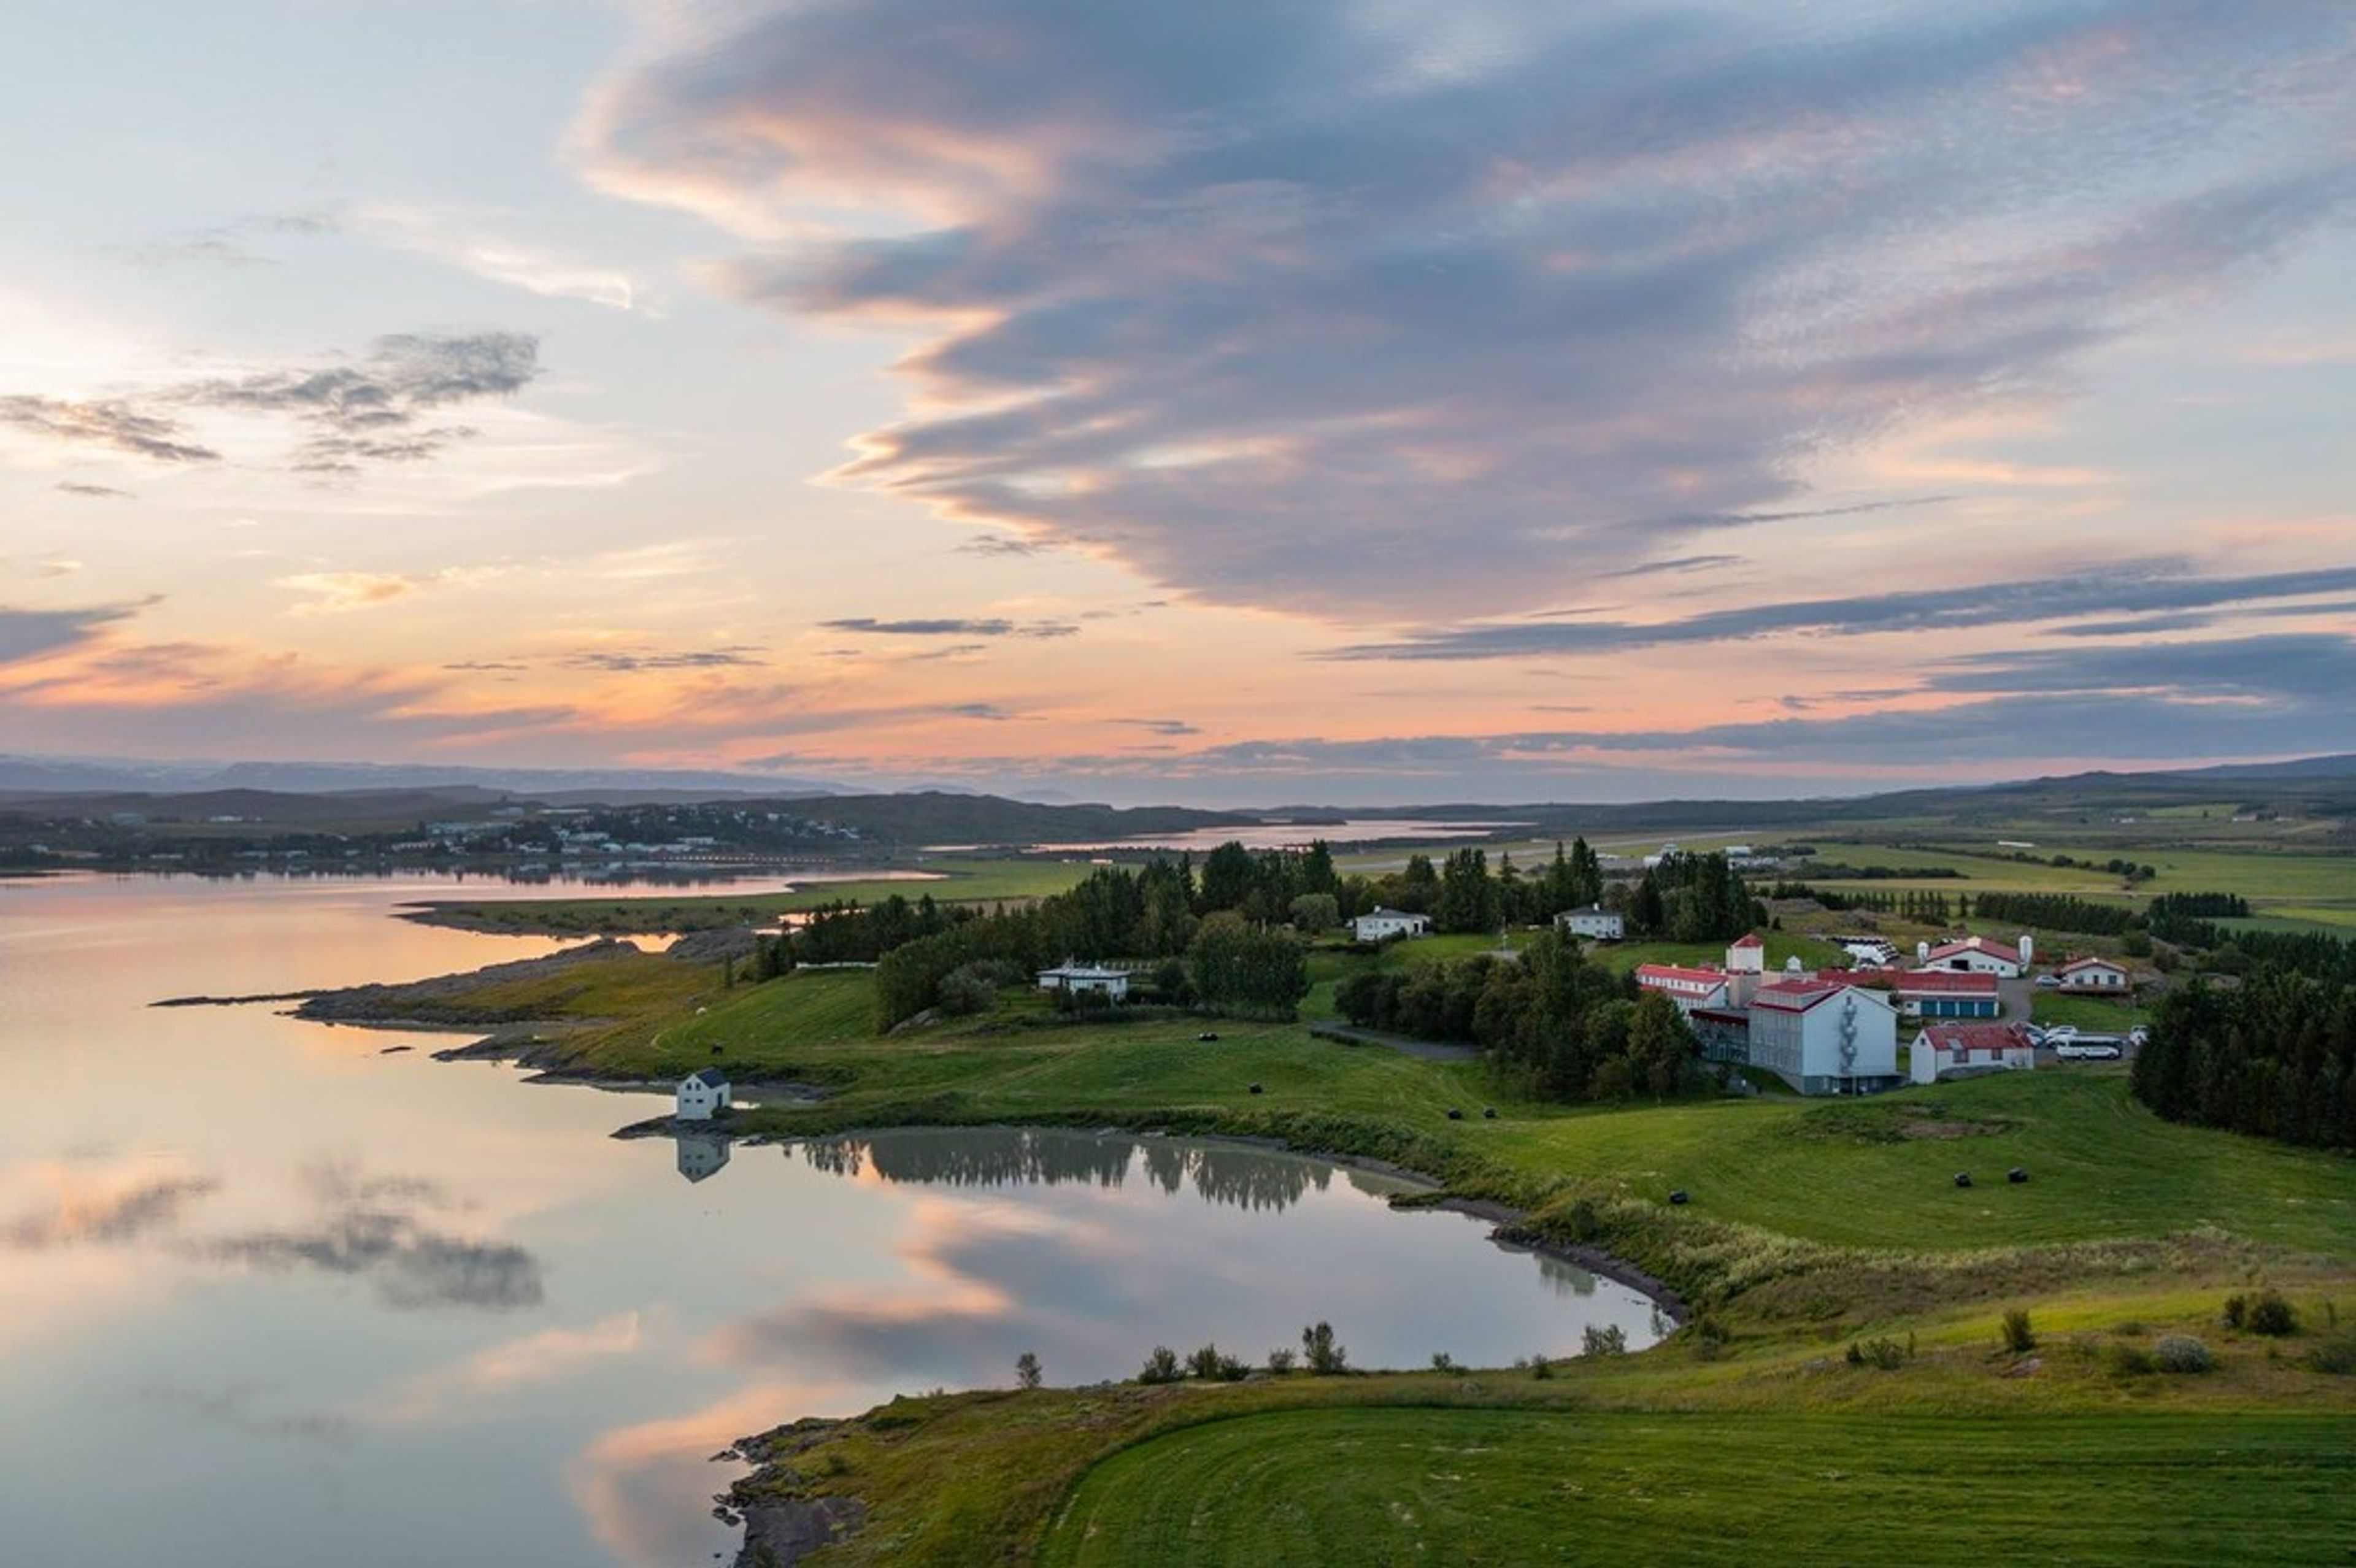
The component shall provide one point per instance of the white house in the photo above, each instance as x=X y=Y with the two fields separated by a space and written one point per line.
x=1085 y=979
x=1594 y=922
x=1978 y=955
x=1688 y=987
x=702 y=1095
x=1380 y=925
x=1824 y=1036
x=1947 y=1047
x=2092 y=974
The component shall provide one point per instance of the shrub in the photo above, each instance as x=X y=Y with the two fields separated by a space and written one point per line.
x=1161 y=1366
x=1884 y=1354
x=2018 y=1336
x=1213 y=1367
x=1324 y=1357
x=1026 y=1371
x=1540 y=1367
x=2130 y=1360
x=2337 y=1357
x=2181 y=1354
x=1280 y=1360
x=2271 y=1313
x=2237 y=1311
x=1604 y=1339
x=1442 y=1362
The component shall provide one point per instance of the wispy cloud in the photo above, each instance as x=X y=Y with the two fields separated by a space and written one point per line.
x=2164 y=586
x=479 y=243
x=94 y=492
x=33 y=634
x=989 y=626
x=107 y=422
x=1441 y=312
x=625 y=663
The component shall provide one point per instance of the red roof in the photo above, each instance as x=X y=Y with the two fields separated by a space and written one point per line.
x=1988 y=945
x=2076 y=965
x=1950 y=982
x=1967 y=1039
x=1752 y=940
x=1675 y=976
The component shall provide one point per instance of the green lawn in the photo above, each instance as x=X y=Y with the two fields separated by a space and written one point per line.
x=1458 y=1488
x=2095 y=1015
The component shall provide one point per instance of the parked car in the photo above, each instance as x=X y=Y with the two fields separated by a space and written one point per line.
x=2048 y=982
x=2056 y=1034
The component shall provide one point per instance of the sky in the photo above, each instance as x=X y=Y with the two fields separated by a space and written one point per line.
x=1237 y=402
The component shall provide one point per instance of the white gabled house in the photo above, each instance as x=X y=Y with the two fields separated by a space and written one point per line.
x=1950 y=1048
x=703 y=1094
x=1380 y=925
x=1594 y=922
x=1087 y=980
x=1687 y=986
x=1978 y=955
x=2094 y=975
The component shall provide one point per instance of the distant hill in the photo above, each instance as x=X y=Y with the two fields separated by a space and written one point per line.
x=86 y=775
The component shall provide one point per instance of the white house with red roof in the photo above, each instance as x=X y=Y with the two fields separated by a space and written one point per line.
x=1944 y=1049
x=2097 y=975
x=1949 y=994
x=1690 y=987
x=1978 y=955
x=1823 y=1036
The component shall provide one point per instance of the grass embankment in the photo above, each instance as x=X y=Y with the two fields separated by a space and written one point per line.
x=946 y=879
x=1812 y=1224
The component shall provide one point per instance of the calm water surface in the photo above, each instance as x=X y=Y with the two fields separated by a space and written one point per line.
x=271 y=1296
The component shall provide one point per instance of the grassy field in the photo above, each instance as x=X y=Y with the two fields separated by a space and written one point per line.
x=947 y=880
x=1458 y=1488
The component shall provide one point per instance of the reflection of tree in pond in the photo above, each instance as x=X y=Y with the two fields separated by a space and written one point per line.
x=1249 y=1179
x=978 y=1157
x=999 y=1156
x=1568 y=1278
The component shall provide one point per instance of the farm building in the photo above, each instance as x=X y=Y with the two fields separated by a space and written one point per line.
x=1688 y=987
x=702 y=1095
x=1594 y=922
x=1086 y=980
x=1978 y=955
x=1824 y=1036
x=2099 y=975
x=1944 y=1049
x=1949 y=994
x=1380 y=925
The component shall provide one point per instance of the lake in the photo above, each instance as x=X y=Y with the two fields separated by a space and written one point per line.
x=275 y=1294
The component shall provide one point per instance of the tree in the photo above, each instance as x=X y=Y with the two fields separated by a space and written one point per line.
x=1236 y=969
x=1467 y=899
x=1316 y=911
x=1317 y=1347
x=1026 y=1371
x=1659 y=1046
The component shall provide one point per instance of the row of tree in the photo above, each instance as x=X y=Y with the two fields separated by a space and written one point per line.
x=1554 y=1023
x=2275 y=1056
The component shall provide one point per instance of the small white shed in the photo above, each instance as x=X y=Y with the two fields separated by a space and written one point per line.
x=702 y=1095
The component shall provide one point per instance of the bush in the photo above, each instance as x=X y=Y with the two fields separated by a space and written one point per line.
x=2271 y=1314
x=2018 y=1336
x=1280 y=1360
x=1604 y=1339
x=1442 y=1362
x=1213 y=1367
x=1884 y=1354
x=2337 y=1357
x=2130 y=1360
x=1161 y=1367
x=1026 y=1371
x=2181 y=1354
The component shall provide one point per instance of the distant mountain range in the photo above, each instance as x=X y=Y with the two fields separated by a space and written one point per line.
x=272 y=791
